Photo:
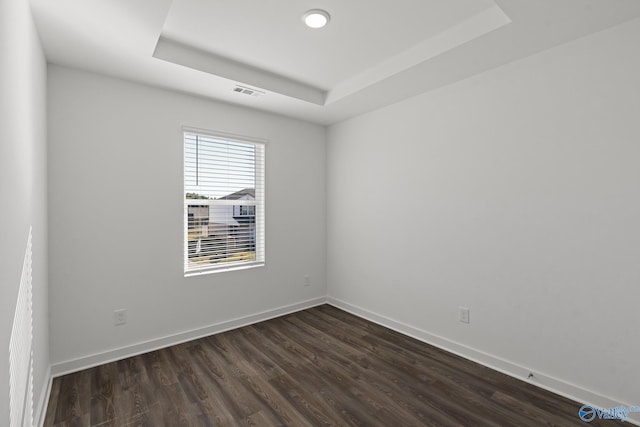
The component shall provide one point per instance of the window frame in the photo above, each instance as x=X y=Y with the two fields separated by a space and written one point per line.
x=258 y=202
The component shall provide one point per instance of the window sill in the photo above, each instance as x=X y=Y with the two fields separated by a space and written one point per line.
x=236 y=267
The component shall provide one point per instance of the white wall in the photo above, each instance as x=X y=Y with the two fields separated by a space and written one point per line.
x=23 y=172
x=514 y=193
x=116 y=150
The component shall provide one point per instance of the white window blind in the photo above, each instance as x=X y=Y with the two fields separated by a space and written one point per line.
x=223 y=202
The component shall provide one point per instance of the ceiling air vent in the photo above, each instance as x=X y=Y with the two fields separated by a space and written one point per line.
x=248 y=91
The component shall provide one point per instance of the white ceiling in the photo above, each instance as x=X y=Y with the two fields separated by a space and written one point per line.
x=372 y=53
x=274 y=38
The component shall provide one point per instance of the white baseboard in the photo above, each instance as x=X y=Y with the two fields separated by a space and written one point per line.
x=40 y=411
x=75 y=365
x=539 y=379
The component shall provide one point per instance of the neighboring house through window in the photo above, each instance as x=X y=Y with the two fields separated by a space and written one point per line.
x=223 y=202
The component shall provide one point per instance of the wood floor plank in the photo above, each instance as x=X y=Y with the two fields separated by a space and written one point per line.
x=353 y=377
x=54 y=396
x=73 y=399
x=232 y=396
x=317 y=367
x=451 y=382
x=370 y=371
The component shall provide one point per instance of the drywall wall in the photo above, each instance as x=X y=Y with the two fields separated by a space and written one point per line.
x=23 y=187
x=116 y=217
x=513 y=193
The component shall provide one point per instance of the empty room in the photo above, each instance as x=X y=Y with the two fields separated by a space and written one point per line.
x=305 y=213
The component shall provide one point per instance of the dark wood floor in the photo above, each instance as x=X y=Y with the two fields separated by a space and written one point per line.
x=317 y=367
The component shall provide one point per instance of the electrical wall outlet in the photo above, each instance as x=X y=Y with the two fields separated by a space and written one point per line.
x=307 y=280
x=120 y=317
x=464 y=314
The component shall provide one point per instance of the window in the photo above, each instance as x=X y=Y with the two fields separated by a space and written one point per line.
x=246 y=210
x=223 y=202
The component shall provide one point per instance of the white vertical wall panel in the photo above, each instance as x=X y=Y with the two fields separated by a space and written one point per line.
x=21 y=349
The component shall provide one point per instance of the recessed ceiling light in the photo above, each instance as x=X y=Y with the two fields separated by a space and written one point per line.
x=316 y=18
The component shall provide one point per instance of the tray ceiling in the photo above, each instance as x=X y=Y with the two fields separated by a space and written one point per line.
x=371 y=54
